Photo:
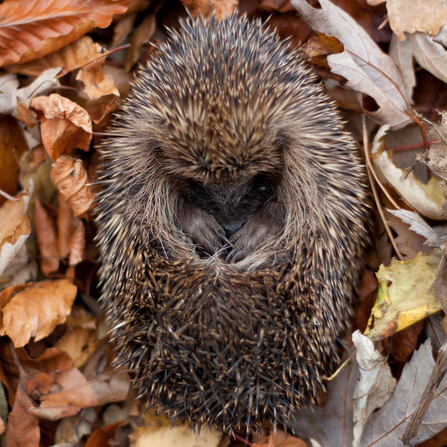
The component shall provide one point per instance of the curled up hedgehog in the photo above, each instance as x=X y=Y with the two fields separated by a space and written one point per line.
x=232 y=222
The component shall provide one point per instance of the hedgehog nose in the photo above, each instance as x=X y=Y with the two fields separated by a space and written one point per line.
x=232 y=227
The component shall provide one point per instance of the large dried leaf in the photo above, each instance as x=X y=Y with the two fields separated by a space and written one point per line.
x=206 y=8
x=15 y=228
x=65 y=125
x=387 y=425
x=367 y=69
x=404 y=295
x=36 y=311
x=30 y=29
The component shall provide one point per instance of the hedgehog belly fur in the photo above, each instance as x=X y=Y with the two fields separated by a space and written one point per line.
x=232 y=223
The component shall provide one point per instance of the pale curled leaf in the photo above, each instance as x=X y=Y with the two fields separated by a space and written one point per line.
x=402 y=55
x=30 y=29
x=365 y=66
x=375 y=386
x=77 y=245
x=404 y=295
x=15 y=228
x=37 y=310
x=427 y=199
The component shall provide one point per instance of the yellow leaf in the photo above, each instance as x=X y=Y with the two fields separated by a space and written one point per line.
x=404 y=295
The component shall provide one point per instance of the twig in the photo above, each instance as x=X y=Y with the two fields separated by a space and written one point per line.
x=5 y=194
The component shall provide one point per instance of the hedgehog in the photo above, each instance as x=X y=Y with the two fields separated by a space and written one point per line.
x=232 y=221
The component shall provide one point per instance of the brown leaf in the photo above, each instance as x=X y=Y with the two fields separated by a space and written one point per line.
x=140 y=36
x=205 y=7
x=279 y=439
x=95 y=82
x=23 y=428
x=77 y=342
x=101 y=436
x=70 y=179
x=37 y=310
x=12 y=147
x=79 y=393
x=65 y=125
x=34 y=28
x=15 y=228
x=46 y=240
x=64 y=226
x=77 y=245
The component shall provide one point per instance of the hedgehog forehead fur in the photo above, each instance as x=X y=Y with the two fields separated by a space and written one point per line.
x=232 y=222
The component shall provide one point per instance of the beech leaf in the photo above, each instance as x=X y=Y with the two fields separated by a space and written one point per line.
x=36 y=311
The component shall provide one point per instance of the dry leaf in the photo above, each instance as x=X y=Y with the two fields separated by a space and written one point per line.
x=33 y=28
x=220 y=8
x=64 y=227
x=367 y=69
x=95 y=82
x=65 y=125
x=375 y=386
x=404 y=295
x=70 y=178
x=77 y=245
x=79 y=393
x=15 y=228
x=46 y=240
x=12 y=147
x=23 y=428
x=409 y=16
x=36 y=311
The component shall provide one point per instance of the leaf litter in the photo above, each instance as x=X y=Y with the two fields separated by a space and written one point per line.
x=64 y=75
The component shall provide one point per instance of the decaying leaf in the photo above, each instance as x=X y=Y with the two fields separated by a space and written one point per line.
x=15 y=228
x=36 y=310
x=375 y=386
x=70 y=178
x=77 y=245
x=30 y=29
x=206 y=8
x=65 y=125
x=363 y=64
x=404 y=295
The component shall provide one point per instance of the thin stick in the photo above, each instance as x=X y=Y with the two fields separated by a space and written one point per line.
x=333 y=376
x=374 y=190
x=5 y=194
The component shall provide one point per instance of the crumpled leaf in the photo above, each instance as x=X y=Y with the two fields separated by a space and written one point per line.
x=70 y=178
x=404 y=295
x=427 y=199
x=375 y=386
x=95 y=82
x=367 y=69
x=15 y=228
x=65 y=125
x=77 y=245
x=409 y=16
x=30 y=29
x=387 y=425
x=206 y=8
x=36 y=310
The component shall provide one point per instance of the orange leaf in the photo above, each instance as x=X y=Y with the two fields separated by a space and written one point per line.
x=65 y=125
x=23 y=428
x=70 y=179
x=77 y=245
x=46 y=239
x=30 y=29
x=101 y=436
x=206 y=7
x=37 y=310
